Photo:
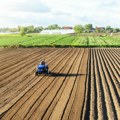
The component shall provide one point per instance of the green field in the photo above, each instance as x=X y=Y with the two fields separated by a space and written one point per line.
x=36 y=40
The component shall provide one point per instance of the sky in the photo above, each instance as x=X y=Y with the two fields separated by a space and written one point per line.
x=100 y=13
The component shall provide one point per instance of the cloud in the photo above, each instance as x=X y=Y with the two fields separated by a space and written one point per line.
x=32 y=7
x=24 y=6
x=62 y=12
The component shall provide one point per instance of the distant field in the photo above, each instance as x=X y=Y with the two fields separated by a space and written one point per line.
x=58 y=40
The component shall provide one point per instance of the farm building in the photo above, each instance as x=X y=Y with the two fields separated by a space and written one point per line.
x=59 y=31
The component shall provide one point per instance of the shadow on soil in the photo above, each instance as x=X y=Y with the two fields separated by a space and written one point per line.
x=65 y=74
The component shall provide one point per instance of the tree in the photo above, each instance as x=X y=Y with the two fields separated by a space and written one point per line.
x=22 y=30
x=109 y=29
x=88 y=27
x=54 y=26
x=30 y=29
x=115 y=30
x=78 y=29
x=38 y=29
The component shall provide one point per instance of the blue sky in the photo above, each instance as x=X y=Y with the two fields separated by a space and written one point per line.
x=62 y=12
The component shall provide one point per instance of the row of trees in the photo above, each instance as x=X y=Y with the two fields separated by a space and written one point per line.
x=23 y=29
x=29 y=29
x=89 y=28
x=78 y=29
x=86 y=28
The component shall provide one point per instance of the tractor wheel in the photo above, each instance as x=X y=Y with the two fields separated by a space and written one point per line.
x=36 y=74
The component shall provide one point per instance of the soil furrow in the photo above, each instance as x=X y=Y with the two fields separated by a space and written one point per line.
x=93 y=100
x=84 y=84
x=20 y=58
x=116 y=54
x=19 y=72
x=13 y=80
x=39 y=111
x=42 y=96
x=102 y=112
x=61 y=104
x=54 y=102
x=114 y=98
x=77 y=106
x=115 y=77
x=86 y=104
x=17 y=66
x=28 y=80
x=110 y=110
x=25 y=89
x=113 y=60
x=70 y=101
x=36 y=82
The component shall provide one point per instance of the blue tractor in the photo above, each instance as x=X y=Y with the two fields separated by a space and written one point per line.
x=42 y=68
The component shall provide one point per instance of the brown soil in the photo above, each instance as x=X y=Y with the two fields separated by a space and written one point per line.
x=85 y=84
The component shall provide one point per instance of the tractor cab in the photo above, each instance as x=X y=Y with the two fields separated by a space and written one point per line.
x=42 y=68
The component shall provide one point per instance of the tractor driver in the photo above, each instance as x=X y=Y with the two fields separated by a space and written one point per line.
x=44 y=64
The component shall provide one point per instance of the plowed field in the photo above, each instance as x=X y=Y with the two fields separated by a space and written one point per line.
x=85 y=84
